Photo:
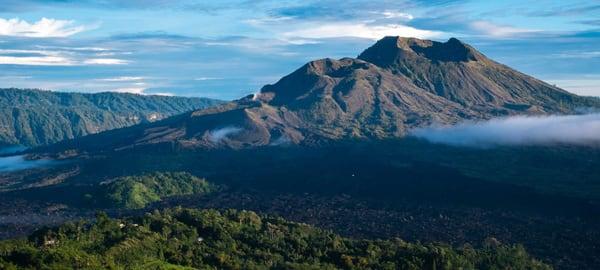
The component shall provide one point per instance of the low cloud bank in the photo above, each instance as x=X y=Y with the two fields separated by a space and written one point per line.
x=217 y=135
x=518 y=130
x=15 y=163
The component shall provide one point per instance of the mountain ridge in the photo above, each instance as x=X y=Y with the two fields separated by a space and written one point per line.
x=392 y=87
x=33 y=117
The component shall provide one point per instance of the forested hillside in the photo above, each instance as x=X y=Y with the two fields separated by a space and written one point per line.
x=208 y=239
x=133 y=192
x=34 y=117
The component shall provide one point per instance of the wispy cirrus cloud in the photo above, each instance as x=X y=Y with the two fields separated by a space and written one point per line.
x=308 y=21
x=34 y=58
x=121 y=79
x=567 y=10
x=28 y=57
x=96 y=50
x=36 y=61
x=393 y=14
x=300 y=26
x=499 y=31
x=578 y=54
x=207 y=78
x=359 y=30
x=43 y=28
x=32 y=5
x=104 y=61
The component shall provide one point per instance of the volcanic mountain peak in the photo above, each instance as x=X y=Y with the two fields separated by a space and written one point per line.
x=394 y=86
x=315 y=79
x=389 y=50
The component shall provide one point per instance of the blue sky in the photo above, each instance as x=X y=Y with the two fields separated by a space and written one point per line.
x=229 y=48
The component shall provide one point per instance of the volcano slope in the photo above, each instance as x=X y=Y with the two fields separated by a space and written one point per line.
x=392 y=87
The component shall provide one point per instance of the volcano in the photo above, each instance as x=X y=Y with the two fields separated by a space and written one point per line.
x=392 y=87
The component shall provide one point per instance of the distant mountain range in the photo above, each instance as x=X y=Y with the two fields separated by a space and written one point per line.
x=34 y=117
x=394 y=86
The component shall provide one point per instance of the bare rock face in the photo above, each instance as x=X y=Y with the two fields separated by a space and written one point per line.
x=461 y=74
x=389 y=51
x=351 y=97
x=394 y=86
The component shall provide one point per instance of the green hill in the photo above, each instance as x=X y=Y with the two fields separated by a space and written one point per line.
x=209 y=239
x=34 y=117
x=134 y=192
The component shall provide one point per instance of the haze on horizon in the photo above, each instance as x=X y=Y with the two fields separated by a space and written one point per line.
x=227 y=49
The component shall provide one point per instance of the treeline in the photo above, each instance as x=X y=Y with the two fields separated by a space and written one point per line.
x=209 y=239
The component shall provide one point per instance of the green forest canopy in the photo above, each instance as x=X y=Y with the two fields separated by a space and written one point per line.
x=134 y=192
x=209 y=239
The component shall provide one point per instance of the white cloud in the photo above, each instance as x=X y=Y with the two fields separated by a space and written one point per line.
x=105 y=61
x=133 y=90
x=389 y=14
x=126 y=84
x=122 y=79
x=499 y=31
x=518 y=130
x=300 y=41
x=360 y=30
x=16 y=77
x=166 y=94
x=103 y=54
x=292 y=30
x=207 y=78
x=217 y=135
x=268 y=20
x=52 y=58
x=63 y=48
x=218 y=43
x=275 y=46
x=18 y=51
x=36 y=61
x=43 y=28
x=34 y=58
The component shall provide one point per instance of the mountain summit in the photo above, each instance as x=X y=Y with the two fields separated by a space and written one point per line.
x=459 y=73
x=395 y=85
x=389 y=50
